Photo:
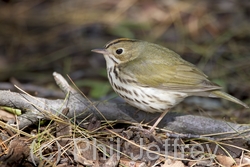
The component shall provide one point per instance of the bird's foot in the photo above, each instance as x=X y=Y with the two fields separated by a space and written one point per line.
x=141 y=129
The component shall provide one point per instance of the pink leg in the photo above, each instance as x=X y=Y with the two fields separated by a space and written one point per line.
x=158 y=121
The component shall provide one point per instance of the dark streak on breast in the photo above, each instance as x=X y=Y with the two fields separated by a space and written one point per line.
x=110 y=78
x=115 y=72
x=113 y=60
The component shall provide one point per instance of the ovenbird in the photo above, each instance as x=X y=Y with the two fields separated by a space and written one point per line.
x=153 y=78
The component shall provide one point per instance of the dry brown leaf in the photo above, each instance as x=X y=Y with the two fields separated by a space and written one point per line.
x=17 y=151
x=85 y=153
x=225 y=160
x=112 y=161
x=171 y=163
x=6 y=116
x=127 y=162
x=246 y=160
x=243 y=161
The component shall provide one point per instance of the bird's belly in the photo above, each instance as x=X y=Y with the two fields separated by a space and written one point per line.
x=146 y=98
x=151 y=99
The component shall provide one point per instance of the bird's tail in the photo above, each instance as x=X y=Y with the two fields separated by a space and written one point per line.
x=226 y=96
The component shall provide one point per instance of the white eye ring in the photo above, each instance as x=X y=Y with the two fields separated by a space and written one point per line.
x=119 y=51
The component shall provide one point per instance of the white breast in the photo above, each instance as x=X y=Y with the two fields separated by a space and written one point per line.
x=145 y=98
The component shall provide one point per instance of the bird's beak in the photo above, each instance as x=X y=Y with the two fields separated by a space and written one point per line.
x=102 y=51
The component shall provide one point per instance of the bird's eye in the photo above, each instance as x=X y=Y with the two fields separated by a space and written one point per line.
x=119 y=51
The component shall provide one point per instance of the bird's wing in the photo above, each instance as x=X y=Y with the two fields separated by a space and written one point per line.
x=177 y=75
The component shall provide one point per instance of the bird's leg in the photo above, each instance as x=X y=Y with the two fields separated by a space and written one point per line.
x=158 y=121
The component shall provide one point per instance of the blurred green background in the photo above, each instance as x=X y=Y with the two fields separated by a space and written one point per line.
x=38 y=37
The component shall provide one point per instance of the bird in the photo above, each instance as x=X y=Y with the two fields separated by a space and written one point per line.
x=154 y=78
